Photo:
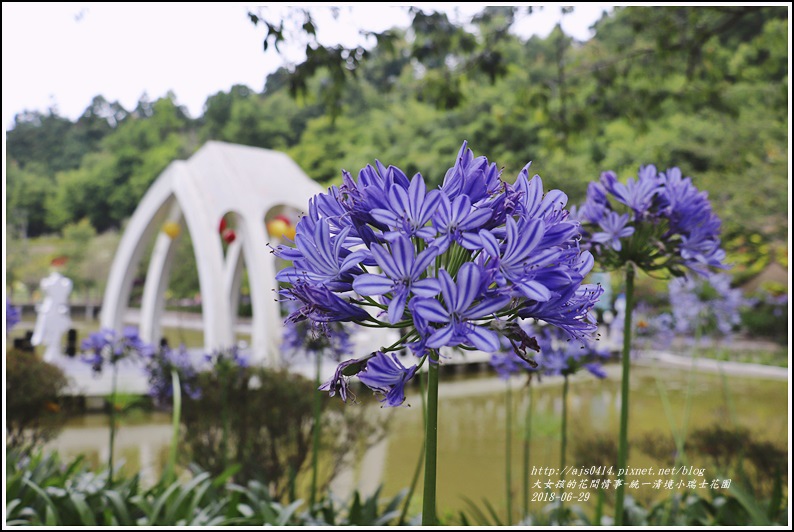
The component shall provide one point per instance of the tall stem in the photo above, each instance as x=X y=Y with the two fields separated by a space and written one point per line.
x=623 y=444
x=176 y=414
x=418 y=470
x=112 y=423
x=508 y=451
x=564 y=437
x=225 y=378
x=527 y=440
x=431 y=443
x=316 y=432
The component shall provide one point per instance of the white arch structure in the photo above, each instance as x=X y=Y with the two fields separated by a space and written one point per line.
x=218 y=179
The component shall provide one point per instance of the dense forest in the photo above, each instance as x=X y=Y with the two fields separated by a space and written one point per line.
x=702 y=88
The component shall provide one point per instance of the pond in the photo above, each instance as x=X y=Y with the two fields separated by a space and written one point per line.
x=472 y=438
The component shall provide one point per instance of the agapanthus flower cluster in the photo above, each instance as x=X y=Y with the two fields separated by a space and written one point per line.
x=332 y=339
x=661 y=221
x=159 y=366
x=651 y=329
x=12 y=316
x=227 y=360
x=774 y=301
x=442 y=265
x=706 y=307
x=109 y=347
x=558 y=355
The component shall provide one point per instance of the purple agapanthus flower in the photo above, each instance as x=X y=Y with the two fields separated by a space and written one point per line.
x=227 y=359
x=404 y=273
x=706 y=307
x=108 y=346
x=386 y=375
x=306 y=337
x=158 y=369
x=508 y=363
x=447 y=266
x=320 y=304
x=559 y=356
x=661 y=221
x=338 y=383
x=614 y=228
x=410 y=209
x=459 y=311
x=12 y=316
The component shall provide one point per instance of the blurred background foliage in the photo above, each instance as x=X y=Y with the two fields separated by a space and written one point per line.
x=702 y=88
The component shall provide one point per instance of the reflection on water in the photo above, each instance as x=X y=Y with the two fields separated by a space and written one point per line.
x=472 y=429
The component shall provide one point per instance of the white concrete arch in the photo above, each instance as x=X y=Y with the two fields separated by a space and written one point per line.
x=217 y=179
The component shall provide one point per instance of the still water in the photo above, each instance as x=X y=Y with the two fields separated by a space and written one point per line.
x=472 y=436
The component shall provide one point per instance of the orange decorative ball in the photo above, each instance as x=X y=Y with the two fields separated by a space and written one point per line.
x=284 y=218
x=278 y=227
x=171 y=229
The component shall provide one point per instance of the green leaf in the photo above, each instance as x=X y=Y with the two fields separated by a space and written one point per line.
x=85 y=514
x=121 y=512
x=52 y=517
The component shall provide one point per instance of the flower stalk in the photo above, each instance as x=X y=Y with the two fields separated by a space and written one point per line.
x=176 y=414
x=527 y=440
x=623 y=442
x=508 y=451
x=431 y=444
x=112 y=415
x=316 y=431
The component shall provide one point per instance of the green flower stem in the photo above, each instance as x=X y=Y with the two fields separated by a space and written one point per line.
x=564 y=436
x=623 y=443
x=527 y=440
x=176 y=414
x=112 y=422
x=508 y=451
x=431 y=443
x=225 y=419
x=418 y=470
x=316 y=432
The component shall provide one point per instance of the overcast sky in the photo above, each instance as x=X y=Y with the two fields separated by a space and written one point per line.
x=62 y=55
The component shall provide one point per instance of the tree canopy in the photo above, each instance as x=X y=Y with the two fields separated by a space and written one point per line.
x=702 y=88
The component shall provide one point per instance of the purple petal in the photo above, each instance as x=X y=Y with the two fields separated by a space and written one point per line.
x=429 y=206
x=352 y=260
x=476 y=218
x=431 y=310
x=448 y=288
x=429 y=287
x=385 y=217
x=555 y=200
x=489 y=306
x=534 y=290
x=441 y=337
x=416 y=194
x=423 y=261
x=483 y=339
x=460 y=208
x=468 y=286
x=489 y=243
x=397 y=306
x=403 y=252
x=470 y=241
x=370 y=284
x=386 y=262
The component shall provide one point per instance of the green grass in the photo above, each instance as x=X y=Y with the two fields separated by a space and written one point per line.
x=778 y=357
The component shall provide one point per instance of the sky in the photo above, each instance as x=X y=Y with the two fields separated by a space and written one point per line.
x=62 y=55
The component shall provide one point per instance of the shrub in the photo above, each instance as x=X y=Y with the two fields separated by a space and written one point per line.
x=269 y=428
x=767 y=317
x=33 y=400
